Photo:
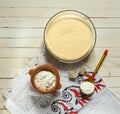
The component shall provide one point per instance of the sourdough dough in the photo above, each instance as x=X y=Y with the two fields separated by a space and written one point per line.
x=68 y=37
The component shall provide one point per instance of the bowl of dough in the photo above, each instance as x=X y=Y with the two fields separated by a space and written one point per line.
x=70 y=36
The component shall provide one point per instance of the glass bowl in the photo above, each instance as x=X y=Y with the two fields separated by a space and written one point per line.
x=69 y=36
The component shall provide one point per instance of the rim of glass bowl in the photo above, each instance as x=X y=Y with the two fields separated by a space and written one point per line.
x=90 y=23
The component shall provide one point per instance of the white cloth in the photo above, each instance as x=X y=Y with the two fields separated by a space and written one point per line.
x=21 y=98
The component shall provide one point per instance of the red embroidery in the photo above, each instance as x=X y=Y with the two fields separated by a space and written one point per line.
x=90 y=76
x=83 y=101
x=98 y=87
x=72 y=113
x=77 y=93
x=65 y=107
x=72 y=94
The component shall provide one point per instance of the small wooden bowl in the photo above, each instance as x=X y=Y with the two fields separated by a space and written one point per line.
x=50 y=68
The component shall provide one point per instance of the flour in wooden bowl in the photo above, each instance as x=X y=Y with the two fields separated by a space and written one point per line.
x=45 y=80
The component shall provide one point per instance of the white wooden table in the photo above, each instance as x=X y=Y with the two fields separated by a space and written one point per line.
x=22 y=24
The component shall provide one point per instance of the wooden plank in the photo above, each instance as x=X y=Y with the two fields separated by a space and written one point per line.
x=21 y=42
x=4 y=83
x=41 y=22
x=113 y=52
x=21 y=32
x=1 y=105
x=108 y=33
x=103 y=35
x=48 y=12
x=1 y=95
x=106 y=22
x=14 y=66
x=1 y=102
x=112 y=81
x=107 y=42
x=116 y=91
x=15 y=62
x=4 y=112
x=110 y=67
x=61 y=3
x=8 y=72
x=34 y=52
x=19 y=52
x=23 y=22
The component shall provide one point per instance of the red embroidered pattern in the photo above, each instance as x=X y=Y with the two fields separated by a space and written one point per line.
x=73 y=96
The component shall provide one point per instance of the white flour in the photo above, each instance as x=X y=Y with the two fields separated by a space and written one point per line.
x=45 y=79
x=87 y=87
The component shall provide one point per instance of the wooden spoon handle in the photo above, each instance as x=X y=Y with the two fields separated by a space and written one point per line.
x=100 y=62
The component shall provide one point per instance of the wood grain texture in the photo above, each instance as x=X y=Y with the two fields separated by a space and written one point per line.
x=22 y=25
x=110 y=67
x=48 y=12
x=41 y=22
x=4 y=111
x=108 y=4
x=21 y=42
x=33 y=52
